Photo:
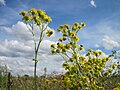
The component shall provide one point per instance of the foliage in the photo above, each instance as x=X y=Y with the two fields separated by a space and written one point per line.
x=39 y=19
x=82 y=71
x=3 y=77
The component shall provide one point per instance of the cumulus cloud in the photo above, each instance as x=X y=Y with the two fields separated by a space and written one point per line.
x=109 y=43
x=92 y=2
x=17 y=53
x=97 y=45
x=21 y=32
x=2 y=2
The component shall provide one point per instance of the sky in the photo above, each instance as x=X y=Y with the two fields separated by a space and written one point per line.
x=16 y=46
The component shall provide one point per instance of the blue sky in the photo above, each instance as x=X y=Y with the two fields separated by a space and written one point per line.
x=102 y=31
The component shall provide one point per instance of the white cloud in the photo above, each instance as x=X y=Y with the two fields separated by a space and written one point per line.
x=92 y=2
x=97 y=45
x=93 y=35
x=2 y=2
x=2 y=58
x=18 y=53
x=109 y=43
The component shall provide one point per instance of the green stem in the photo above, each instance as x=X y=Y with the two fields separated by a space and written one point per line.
x=35 y=76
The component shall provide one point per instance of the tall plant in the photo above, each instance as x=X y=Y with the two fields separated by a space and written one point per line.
x=40 y=19
x=82 y=71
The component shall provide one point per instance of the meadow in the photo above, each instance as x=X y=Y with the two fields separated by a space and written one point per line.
x=83 y=71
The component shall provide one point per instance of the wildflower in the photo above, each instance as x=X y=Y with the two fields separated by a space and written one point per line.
x=117 y=88
x=67 y=46
x=33 y=11
x=35 y=17
x=71 y=59
x=90 y=49
x=109 y=70
x=67 y=26
x=58 y=29
x=64 y=49
x=74 y=27
x=75 y=56
x=47 y=81
x=23 y=13
x=88 y=54
x=26 y=18
x=81 y=48
x=59 y=45
x=49 y=33
x=64 y=31
x=64 y=64
x=54 y=80
x=52 y=45
x=71 y=33
x=60 y=39
x=114 y=66
x=76 y=24
x=100 y=53
x=107 y=59
x=79 y=27
x=52 y=51
x=75 y=38
x=64 y=38
x=61 y=27
x=57 y=50
x=83 y=24
x=47 y=18
x=40 y=13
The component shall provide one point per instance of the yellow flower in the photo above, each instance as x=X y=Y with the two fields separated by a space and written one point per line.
x=40 y=13
x=74 y=27
x=35 y=17
x=58 y=51
x=52 y=45
x=79 y=27
x=114 y=66
x=107 y=59
x=83 y=24
x=26 y=18
x=33 y=11
x=47 y=81
x=67 y=26
x=71 y=33
x=23 y=13
x=64 y=64
x=117 y=88
x=60 y=39
x=49 y=33
x=59 y=45
x=47 y=18
x=90 y=49
x=53 y=51
x=81 y=48
x=100 y=53
x=54 y=80
x=75 y=38
x=76 y=24
x=67 y=46
x=109 y=70
x=75 y=56
x=64 y=38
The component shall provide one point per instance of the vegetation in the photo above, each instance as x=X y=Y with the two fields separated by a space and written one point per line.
x=39 y=19
x=86 y=71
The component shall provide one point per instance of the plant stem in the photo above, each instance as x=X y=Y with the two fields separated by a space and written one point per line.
x=35 y=76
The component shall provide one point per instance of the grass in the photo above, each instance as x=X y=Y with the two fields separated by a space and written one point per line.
x=46 y=83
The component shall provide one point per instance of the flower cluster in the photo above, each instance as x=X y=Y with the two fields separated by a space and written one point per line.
x=37 y=16
x=82 y=71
